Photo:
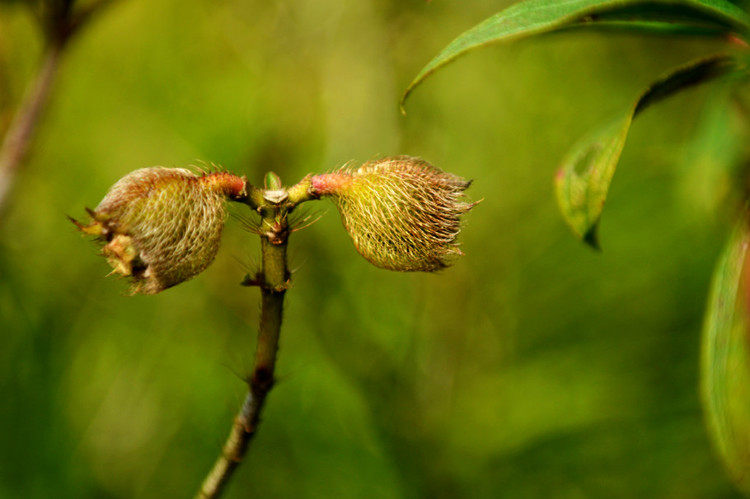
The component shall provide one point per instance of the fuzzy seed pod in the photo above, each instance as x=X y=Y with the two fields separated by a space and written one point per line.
x=162 y=226
x=401 y=212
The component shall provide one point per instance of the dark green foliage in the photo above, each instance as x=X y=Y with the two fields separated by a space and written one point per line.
x=583 y=181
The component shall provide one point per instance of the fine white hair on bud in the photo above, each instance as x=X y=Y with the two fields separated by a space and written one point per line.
x=401 y=212
x=162 y=226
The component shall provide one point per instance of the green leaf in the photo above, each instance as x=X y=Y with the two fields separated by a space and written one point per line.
x=649 y=27
x=533 y=17
x=717 y=13
x=725 y=369
x=583 y=181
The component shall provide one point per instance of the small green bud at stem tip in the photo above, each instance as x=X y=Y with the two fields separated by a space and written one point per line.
x=273 y=182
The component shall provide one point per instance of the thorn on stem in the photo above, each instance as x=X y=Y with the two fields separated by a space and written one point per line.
x=254 y=280
x=262 y=379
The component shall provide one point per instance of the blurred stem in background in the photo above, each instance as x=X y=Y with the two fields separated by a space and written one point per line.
x=59 y=21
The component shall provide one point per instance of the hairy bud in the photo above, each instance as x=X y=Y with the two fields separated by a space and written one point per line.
x=402 y=213
x=162 y=226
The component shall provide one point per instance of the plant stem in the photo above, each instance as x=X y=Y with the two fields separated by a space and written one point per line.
x=20 y=133
x=273 y=282
x=60 y=24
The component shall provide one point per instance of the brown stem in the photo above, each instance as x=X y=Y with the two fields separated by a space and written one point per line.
x=63 y=23
x=273 y=285
x=19 y=136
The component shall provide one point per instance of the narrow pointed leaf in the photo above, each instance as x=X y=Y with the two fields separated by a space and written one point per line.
x=649 y=28
x=717 y=13
x=583 y=181
x=725 y=369
x=532 y=17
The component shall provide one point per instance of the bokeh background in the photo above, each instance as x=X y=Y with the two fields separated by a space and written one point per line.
x=534 y=367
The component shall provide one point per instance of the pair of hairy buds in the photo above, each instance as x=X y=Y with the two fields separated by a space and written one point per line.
x=162 y=226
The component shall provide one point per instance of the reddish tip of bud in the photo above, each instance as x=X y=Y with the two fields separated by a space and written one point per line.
x=226 y=183
x=330 y=183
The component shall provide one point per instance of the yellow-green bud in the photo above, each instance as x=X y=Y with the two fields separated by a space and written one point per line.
x=401 y=212
x=162 y=226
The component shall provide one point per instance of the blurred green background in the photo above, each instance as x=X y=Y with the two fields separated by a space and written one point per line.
x=534 y=367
